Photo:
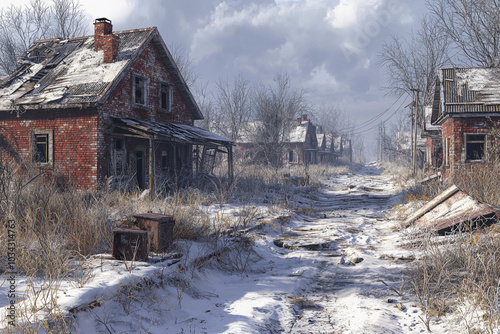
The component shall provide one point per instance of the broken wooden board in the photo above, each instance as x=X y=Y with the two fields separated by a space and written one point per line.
x=450 y=208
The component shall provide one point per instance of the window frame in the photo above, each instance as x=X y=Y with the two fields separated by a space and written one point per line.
x=145 y=91
x=48 y=134
x=468 y=141
x=170 y=97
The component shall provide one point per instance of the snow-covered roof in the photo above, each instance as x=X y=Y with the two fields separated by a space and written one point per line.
x=428 y=126
x=70 y=73
x=466 y=90
x=249 y=130
x=321 y=139
x=298 y=133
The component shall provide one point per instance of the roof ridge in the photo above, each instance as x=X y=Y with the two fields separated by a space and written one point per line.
x=89 y=36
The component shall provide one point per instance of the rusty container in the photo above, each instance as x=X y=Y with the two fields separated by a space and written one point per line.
x=160 y=228
x=130 y=244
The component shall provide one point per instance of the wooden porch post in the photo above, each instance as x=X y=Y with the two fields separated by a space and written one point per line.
x=152 y=176
x=230 y=171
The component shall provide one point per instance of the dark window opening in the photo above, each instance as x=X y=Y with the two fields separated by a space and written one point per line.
x=118 y=144
x=140 y=90
x=164 y=161
x=165 y=97
x=290 y=156
x=475 y=147
x=41 y=148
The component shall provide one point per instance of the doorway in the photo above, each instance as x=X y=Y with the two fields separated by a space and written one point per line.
x=140 y=170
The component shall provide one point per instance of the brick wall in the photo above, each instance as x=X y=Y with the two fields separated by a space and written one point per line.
x=81 y=142
x=454 y=130
x=74 y=134
x=149 y=66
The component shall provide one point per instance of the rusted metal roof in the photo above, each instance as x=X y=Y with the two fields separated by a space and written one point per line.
x=70 y=73
x=171 y=131
x=451 y=208
x=466 y=90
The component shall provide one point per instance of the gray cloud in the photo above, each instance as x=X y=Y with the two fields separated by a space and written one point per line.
x=328 y=47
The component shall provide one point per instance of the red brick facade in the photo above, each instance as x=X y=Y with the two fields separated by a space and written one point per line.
x=83 y=141
x=455 y=133
x=74 y=134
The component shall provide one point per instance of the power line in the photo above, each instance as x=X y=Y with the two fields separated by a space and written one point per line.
x=359 y=130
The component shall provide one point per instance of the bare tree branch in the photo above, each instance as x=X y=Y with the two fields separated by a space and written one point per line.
x=473 y=27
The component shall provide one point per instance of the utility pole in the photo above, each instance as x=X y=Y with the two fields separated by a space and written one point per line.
x=414 y=134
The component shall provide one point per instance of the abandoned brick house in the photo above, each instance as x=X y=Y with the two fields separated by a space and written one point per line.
x=467 y=107
x=109 y=108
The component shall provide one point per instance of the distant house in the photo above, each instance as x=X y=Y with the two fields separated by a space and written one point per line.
x=299 y=146
x=326 y=153
x=302 y=145
x=467 y=107
x=108 y=108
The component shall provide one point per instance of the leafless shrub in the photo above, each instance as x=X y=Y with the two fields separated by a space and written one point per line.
x=462 y=270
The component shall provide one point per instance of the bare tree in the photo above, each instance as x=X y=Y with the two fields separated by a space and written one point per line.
x=277 y=107
x=68 y=18
x=21 y=25
x=233 y=103
x=473 y=26
x=184 y=63
x=333 y=119
x=411 y=64
x=206 y=106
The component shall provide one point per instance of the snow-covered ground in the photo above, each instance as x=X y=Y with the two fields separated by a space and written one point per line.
x=331 y=266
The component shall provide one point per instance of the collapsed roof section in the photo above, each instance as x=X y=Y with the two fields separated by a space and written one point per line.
x=450 y=209
x=171 y=131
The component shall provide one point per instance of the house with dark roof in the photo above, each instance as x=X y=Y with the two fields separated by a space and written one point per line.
x=467 y=107
x=111 y=108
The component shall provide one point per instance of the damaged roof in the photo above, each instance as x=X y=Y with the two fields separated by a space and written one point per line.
x=171 y=131
x=466 y=90
x=69 y=73
x=452 y=207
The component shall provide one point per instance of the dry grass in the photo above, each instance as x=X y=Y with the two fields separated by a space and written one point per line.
x=460 y=273
x=58 y=227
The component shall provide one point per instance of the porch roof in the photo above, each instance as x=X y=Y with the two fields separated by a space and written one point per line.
x=171 y=131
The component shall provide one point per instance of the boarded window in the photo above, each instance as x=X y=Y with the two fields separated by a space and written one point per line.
x=140 y=90
x=165 y=97
x=474 y=146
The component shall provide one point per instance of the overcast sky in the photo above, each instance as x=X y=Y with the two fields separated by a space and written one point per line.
x=328 y=47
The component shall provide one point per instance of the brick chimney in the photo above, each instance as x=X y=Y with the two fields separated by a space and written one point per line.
x=105 y=40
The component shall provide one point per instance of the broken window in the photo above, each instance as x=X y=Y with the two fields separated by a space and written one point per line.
x=474 y=146
x=139 y=90
x=165 y=97
x=42 y=147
